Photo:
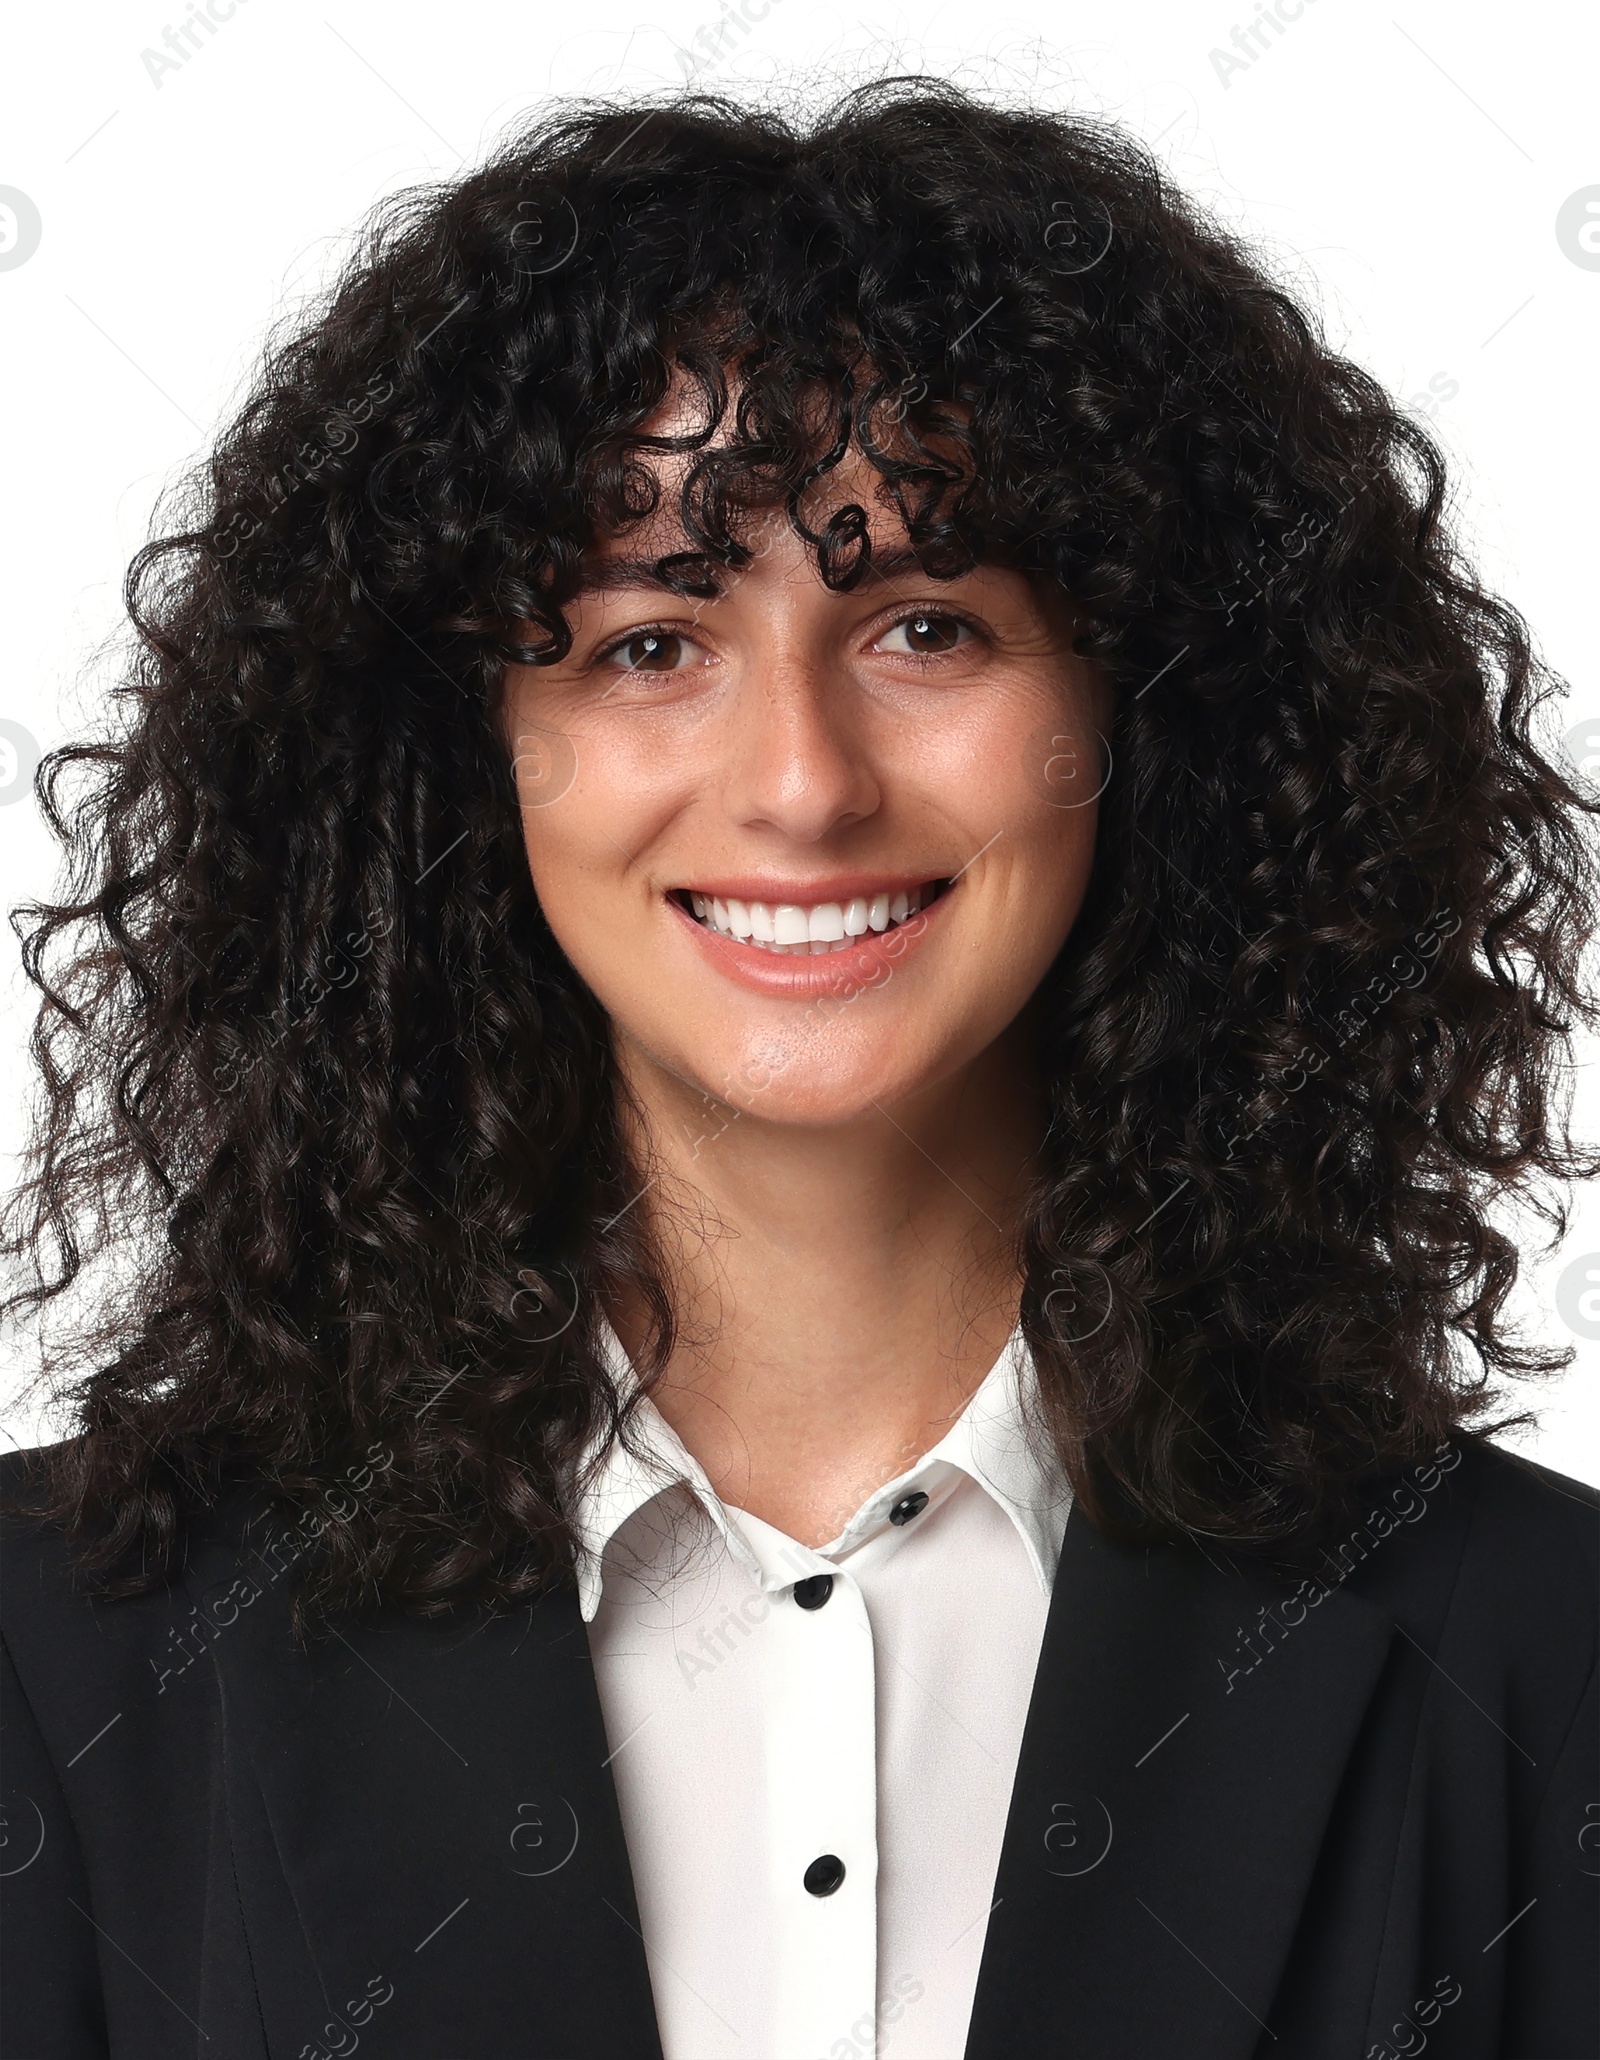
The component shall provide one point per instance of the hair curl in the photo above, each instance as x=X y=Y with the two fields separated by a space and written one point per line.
x=1307 y=1029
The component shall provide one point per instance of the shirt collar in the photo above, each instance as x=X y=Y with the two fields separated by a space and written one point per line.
x=992 y=1442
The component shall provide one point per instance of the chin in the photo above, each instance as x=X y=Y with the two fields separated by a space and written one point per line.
x=825 y=1106
x=780 y=1081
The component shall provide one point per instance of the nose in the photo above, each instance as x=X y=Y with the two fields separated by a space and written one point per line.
x=798 y=761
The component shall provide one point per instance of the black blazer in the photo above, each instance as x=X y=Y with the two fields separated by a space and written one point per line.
x=1353 y=1818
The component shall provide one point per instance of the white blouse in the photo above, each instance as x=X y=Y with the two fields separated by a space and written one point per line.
x=814 y=1797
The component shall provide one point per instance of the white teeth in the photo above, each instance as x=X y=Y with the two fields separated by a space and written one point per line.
x=801 y=931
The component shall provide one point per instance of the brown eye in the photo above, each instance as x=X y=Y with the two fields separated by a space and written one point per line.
x=928 y=633
x=651 y=650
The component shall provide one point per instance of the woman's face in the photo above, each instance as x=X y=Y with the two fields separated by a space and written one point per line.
x=812 y=851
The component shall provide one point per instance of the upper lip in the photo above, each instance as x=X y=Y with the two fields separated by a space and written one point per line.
x=808 y=893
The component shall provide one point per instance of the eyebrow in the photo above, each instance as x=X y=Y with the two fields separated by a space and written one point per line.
x=610 y=575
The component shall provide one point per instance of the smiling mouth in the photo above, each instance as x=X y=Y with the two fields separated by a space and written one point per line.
x=808 y=929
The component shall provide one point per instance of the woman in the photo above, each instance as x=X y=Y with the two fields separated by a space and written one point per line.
x=823 y=925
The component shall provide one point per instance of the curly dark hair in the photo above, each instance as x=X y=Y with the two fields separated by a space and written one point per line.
x=1307 y=1032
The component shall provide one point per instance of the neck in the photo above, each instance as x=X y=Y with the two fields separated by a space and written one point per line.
x=840 y=1290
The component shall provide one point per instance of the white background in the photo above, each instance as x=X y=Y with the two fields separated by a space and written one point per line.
x=1401 y=166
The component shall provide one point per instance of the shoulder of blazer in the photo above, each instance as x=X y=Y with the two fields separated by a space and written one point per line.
x=76 y=1645
x=1518 y=1539
x=71 y=1645
x=37 y=1559
x=254 y=1823
x=1492 y=1576
x=1540 y=1497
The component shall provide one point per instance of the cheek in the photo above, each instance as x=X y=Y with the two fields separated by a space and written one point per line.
x=1028 y=746
x=1029 y=886
x=1054 y=854
x=1025 y=793
x=564 y=855
x=589 y=805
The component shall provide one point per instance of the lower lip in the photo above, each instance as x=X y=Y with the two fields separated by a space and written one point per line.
x=869 y=962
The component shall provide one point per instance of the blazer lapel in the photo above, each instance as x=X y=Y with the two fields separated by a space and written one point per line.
x=1170 y=1801
x=425 y=1834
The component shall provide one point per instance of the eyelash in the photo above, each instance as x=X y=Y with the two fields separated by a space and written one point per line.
x=643 y=629
x=669 y=629
x=935 y=615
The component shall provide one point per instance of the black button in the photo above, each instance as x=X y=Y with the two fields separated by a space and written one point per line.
x=823 y=1876
x=813 y=1592
x=908 y=1506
